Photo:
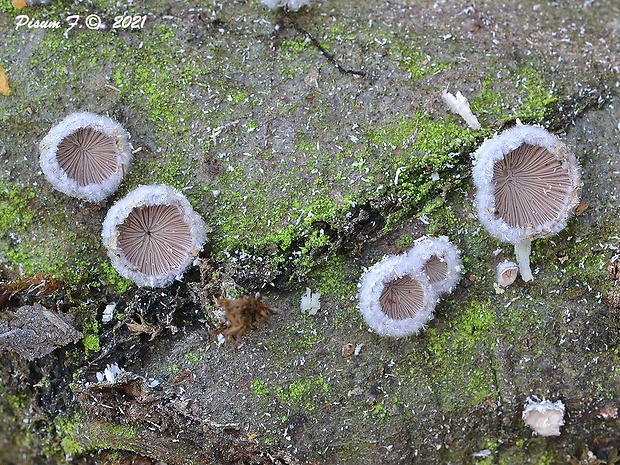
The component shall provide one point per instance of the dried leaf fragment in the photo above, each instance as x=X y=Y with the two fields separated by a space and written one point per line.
x=4 y=83
x=348 y=349
x=39 y=284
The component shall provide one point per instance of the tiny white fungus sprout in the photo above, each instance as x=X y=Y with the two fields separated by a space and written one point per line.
x=395 y=296
x=310 y=302
x=544 y=418
x=460 y=105
x=507 y=272
x=86 y=156
x=527 y=186
x=153 y=235
x=109 y=374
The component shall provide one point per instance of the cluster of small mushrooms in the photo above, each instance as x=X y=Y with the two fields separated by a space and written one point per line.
x=527 y=186
x=152 y=234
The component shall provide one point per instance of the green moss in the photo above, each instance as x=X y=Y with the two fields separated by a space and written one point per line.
x=303 y=394
x=110 y=276
x=459 y=380
x=36 y=241
x=192 y=358
x=78 y=436
x=15 y=402
x=335 y=279
x=424 y=155
x=294 y=45
x=6 y=6
x=546 y=459
x=404 y=241
x=90 y=338
x=249 y=219
x=539 y=98
x=418 y=64
x=146 y=77
x=259 y=388
x=16 y=208
x=435 y=141
x=238 y=97
x=532 y=100
x=376 y=413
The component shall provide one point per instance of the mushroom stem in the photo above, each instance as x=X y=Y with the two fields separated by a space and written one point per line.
x=522 y=251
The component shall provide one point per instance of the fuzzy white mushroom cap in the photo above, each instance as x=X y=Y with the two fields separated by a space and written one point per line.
x=441 y=262
x=153 y=235
x=86 y=156
x=395 y=296
x=292 y=5
x=544 y=418
x=527 y=184
x=507 y=273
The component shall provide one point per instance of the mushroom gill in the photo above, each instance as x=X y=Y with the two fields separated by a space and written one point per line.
x=531 y=187
x=395 y=296
x=440 y=261
x=88 y=156
x=402 y=298
x=155 y=239
x=436 y=268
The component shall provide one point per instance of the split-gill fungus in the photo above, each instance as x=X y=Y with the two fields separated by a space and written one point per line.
x=544 y=417
x=528 y=186
x=506 y=273
x=153 y=235
x=441 y=262
x=397 y=295
x=86 y=156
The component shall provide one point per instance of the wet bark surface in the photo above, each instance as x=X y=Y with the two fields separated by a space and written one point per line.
x=312 y=143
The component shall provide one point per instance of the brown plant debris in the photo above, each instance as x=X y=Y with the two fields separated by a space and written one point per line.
x=242 y=315
x=33 y=332
x=143 y=327
x=39 y=284
x=614 y=269
x=581 y=208
x=348 y=349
